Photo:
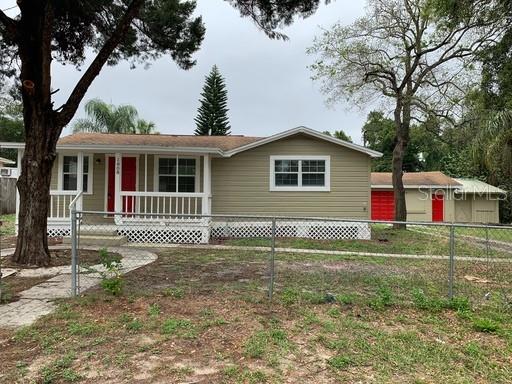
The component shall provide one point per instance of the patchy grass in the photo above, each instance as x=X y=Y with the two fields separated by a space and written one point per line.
x=203 y=316
x=8 y=225
x=416 y=240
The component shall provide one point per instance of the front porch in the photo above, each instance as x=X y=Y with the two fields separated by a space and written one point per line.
x=126 y=190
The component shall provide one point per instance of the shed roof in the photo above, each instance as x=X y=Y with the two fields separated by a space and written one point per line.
x=477 y=186
x=414 y=179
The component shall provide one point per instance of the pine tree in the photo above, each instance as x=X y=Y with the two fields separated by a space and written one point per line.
x=212 y=115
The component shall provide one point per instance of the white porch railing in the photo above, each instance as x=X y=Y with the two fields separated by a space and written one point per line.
x=60 y=202
x=147 y=205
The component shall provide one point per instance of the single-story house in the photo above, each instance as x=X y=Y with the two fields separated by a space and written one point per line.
x=138 y=179
x=434 y=196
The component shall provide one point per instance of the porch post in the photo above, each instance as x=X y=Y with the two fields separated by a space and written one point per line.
x=118 y=204
x=207 y=185
x=80 y=177
x=18 y=166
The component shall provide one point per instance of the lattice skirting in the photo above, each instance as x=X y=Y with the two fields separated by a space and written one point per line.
x=197 y=233
x=318 y=230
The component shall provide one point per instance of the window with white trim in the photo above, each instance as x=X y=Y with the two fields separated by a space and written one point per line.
x=176 y=174
x=300 y=173
x=70 y=174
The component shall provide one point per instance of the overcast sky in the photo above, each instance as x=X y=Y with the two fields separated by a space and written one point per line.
x=269 y=85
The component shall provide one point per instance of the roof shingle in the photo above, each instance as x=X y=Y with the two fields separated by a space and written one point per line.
x=414 y=179
x=224 y=143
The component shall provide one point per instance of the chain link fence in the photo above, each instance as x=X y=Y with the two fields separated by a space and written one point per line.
x=314 y=259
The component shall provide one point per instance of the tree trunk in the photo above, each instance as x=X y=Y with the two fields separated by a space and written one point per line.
x=402 y=124
x=41 y=132
x=33 y=186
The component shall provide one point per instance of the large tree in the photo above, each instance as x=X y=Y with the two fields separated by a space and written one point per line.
x=64 y=31
x=212 y=115
x=108 y=118
x=410 y=57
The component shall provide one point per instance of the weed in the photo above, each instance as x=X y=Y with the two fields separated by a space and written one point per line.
x=176 y=293
x=383 y=298
x=134 y=325
x=179 y=327
x=340 y=362
x=346 y=299
x=154 y=310
x=485 y=325
x=82 y=328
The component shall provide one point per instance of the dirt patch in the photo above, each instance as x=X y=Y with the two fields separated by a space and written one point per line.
x=13 y=285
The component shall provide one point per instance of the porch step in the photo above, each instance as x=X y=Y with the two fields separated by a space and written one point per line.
x=102 y=241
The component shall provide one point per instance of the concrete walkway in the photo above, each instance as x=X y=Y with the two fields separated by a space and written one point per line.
x=39 y=300
x=326 y=252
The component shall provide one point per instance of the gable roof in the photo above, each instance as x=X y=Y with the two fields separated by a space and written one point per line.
x=225 y=146
x=414 y=180
x=306 y=131
x=477 y=186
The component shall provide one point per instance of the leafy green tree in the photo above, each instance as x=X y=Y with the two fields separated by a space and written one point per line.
x=212 y=115
x=412 y=58
x=139 y=31
x=339 y=135
x=107 y=118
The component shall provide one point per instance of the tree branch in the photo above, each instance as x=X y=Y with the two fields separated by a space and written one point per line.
x=69 y=108
x=9 y=24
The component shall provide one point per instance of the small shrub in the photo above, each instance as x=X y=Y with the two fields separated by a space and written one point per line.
x=485 y=325
x=112 y=278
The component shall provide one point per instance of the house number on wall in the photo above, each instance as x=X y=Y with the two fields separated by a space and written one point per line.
x=118 y=165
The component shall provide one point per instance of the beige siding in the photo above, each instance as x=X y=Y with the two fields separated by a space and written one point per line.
x=463 y=211
x=240 y=185
x=485 y=209
x=419 y=205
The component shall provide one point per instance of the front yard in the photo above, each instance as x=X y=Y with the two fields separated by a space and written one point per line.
x=197 y=316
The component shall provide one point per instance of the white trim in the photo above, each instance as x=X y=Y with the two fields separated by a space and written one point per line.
x=306 y=131
x=90 y=173
x=300 y=188
x=156 y=161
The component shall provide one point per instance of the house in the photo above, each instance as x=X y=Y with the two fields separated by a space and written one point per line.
x=137 y=181
x=433 y=196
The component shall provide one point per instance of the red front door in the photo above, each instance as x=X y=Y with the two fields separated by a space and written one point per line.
x=383 y=205
x=128 y=182
x=437 y=207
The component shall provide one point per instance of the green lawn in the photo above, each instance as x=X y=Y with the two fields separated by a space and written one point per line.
x=203 y=316
x=7 y=228
x=416 y=240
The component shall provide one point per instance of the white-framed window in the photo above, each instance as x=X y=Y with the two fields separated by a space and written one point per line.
x=68 y=180
x=177 y=174
x=300 y=173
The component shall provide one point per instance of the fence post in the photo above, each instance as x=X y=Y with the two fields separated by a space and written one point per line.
x=272 y=259
x=451 y=271
x=74 y=253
